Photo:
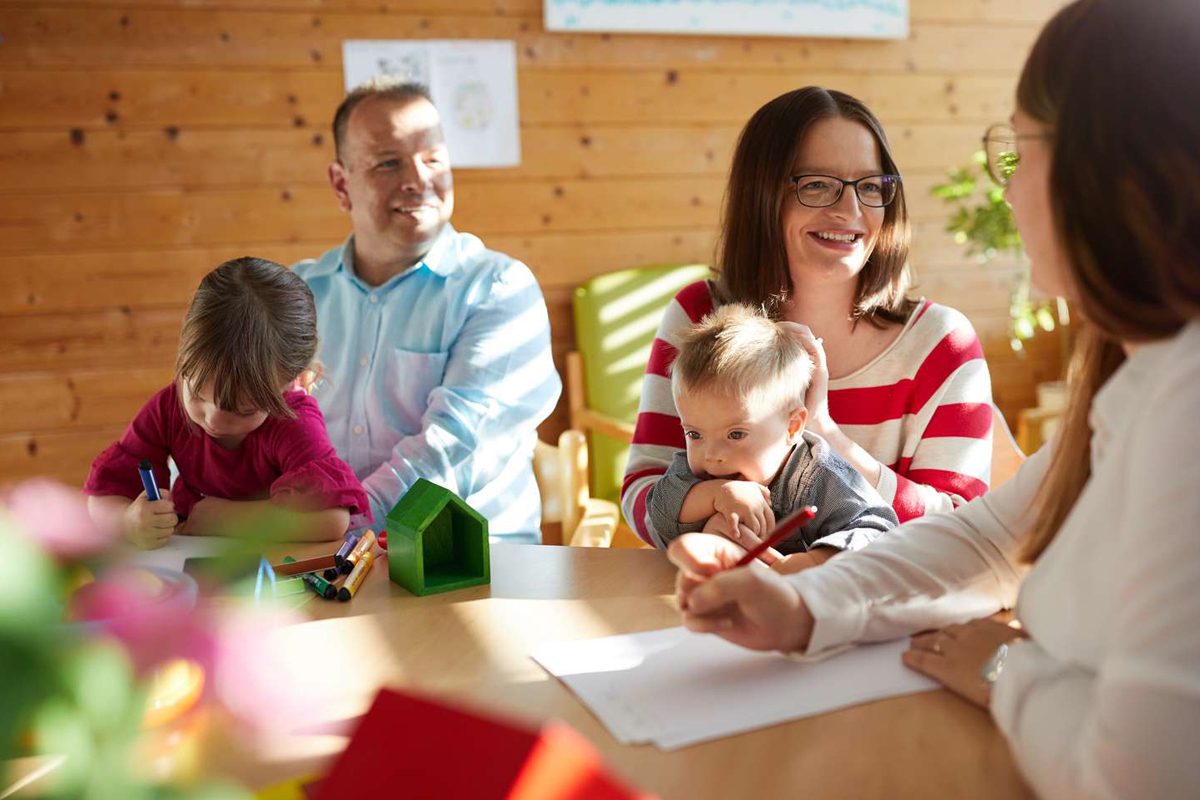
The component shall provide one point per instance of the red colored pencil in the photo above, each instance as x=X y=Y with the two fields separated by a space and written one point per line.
x=789 y=525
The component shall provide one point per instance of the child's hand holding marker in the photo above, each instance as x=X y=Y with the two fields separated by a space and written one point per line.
x=150 y=519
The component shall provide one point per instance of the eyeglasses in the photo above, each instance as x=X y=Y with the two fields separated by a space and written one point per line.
x=1000 y=145
x=819 y=191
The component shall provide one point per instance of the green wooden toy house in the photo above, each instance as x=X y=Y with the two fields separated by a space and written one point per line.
x=436 y=542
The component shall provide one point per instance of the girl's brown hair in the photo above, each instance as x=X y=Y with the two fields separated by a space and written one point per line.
x=251 y=329
x=1113 y=83
x=751 y=253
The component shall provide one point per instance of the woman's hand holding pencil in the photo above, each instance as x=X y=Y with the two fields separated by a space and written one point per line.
x=752 y=607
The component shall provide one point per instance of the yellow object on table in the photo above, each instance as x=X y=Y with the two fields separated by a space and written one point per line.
x=175 y=687
x=292 y=789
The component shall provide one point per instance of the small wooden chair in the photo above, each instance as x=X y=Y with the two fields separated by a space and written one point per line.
x=569 y=514
x=616 y=317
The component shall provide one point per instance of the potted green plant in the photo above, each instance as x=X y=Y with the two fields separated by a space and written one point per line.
x=982 y=221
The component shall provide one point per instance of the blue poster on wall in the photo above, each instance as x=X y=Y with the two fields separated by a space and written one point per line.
x=866 y=19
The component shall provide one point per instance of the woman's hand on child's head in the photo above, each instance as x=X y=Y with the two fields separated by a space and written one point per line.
x=150 y=523
x=748 y=504
x=817 y=398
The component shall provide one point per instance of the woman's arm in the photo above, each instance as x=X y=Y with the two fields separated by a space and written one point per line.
x=928 y=573
x=1127 y=729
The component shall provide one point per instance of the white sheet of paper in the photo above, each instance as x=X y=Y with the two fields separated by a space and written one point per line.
x=473 y=83
x=675 y=688
x=177 y=550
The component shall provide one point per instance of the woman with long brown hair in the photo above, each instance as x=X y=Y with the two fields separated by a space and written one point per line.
x=815 y=231
x=1095 y=539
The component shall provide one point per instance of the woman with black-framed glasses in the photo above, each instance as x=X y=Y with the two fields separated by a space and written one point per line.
x=815 y=230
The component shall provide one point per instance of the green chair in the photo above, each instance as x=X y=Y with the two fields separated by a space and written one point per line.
x=616 y=317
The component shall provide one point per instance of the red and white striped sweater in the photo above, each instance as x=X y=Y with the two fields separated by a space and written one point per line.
x=922 y=408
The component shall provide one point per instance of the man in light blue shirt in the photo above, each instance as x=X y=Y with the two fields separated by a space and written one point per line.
x=436 y=350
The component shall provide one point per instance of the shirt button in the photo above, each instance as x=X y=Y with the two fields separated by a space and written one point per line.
x=373 y=298
x=362 y=362
x=358 y=429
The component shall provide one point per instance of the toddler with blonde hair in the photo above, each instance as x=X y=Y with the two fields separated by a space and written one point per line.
x=739 y=381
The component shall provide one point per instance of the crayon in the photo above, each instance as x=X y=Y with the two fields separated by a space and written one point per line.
x=291 y=566
x=345 y=549
x=318 y=584
x=356 y=576
x=147 y=473
x=363 y=546
x=331 y=574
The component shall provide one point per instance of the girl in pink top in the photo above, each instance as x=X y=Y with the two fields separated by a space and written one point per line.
x=241 y=431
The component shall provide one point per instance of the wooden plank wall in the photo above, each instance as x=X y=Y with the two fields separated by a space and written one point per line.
x=144 y=141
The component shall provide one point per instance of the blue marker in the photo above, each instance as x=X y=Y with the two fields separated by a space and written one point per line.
x=148 y=480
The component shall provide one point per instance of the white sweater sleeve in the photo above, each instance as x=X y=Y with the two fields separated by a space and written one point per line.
x=932 y=571
x=1127 y=725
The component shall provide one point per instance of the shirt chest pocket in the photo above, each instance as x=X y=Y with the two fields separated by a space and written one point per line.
x=410 y=378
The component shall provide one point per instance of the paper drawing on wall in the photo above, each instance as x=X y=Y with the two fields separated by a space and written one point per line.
x=473 y=84
x=866 y=19
x=412 y=65
x=473 y=106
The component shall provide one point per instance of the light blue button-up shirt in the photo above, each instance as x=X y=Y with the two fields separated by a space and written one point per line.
x=443 y=373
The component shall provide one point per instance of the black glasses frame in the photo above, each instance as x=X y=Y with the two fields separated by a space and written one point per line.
x=795 y=179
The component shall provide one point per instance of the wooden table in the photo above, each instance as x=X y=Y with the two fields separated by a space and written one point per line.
x=473 y=646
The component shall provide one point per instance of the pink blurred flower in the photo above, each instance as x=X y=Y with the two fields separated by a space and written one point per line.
x=251 y=678
x=56 y=517
x=153 y=626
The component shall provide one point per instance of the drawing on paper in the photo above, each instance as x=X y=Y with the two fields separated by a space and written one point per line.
x=411 y=66
x=473 y=83
x=868 y=19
